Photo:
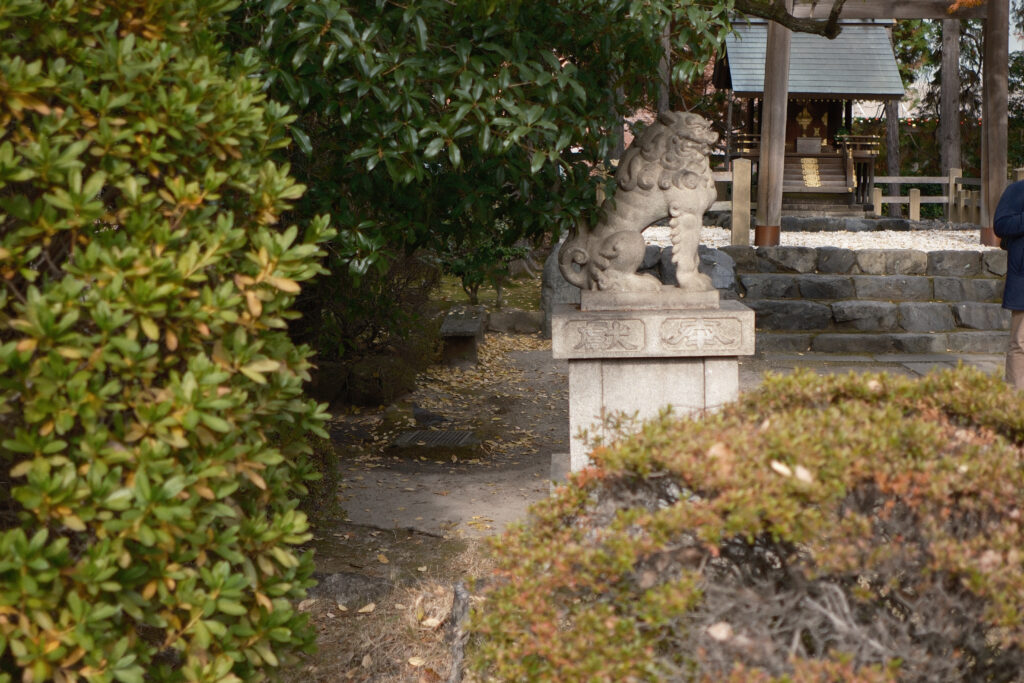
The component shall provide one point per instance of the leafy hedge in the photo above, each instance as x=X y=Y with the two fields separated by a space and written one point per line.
x=841 y=528
x=148 y=502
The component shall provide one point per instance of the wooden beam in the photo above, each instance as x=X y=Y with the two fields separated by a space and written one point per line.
x=887 y=9
x=771 y=166
x=994 y=113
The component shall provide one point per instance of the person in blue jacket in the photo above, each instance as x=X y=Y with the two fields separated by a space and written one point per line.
x=1009 y=227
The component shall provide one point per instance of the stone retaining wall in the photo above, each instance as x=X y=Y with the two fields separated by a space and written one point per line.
x=835 y=300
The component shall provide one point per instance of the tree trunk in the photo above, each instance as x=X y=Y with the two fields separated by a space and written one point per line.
x=949 y=111
x=665 y=71
x=892 y=151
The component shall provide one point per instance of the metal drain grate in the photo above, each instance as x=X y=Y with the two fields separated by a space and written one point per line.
x=436 y=438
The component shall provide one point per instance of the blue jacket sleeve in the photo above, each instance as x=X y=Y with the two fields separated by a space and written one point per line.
x=1009 y=219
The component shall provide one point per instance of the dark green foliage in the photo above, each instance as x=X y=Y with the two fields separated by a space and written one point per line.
x=372 y=333
x=823 y=528
x=423 y=125
x=151 y=404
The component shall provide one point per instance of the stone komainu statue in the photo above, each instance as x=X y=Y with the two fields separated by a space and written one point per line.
x=664 y=173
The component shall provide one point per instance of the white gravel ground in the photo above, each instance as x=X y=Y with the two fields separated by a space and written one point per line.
x=922 y=240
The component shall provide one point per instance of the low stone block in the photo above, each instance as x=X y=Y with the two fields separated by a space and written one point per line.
x=461 y=332
x=871 y=261
x=787 y=259
x=979 y=316
x=836 y=260
x=953 y=288
x=865 y=316
x=825 y=287
x=791 y=315
x=925 y=317
x=719 y=266
x=994 y=262
x=893 y=287
x=770 y=286
x=988 y=289
x=892 y=261
x=955 y=263
x=906 y=262
x=780 y=342
x=891 y=224
x=978 y=342
x=744 y=257
x=852 y=343
x=920 y=343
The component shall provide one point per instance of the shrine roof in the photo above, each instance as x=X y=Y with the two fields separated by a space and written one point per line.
x=858 y=64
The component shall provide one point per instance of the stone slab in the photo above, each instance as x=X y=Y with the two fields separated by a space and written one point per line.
x=670 y=298
x=836 y=260
x=781 y=342
x=791 y=315
x=978 y=342
x=955 y=263
x=725 y=331
x=893 y=287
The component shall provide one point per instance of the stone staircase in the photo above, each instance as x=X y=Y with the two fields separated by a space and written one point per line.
x=836 y=300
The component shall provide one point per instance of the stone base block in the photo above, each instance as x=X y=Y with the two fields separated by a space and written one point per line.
x=603 y=390
x=670 y=297
x=636 y=364
x=664 y=333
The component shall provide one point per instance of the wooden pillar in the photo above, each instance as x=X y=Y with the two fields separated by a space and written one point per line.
x=773 y=135
x=949 y=109
x=741 y=201
x=994 y=113
x=848 y=116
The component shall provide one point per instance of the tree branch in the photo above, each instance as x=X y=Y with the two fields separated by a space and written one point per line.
x=776 y=11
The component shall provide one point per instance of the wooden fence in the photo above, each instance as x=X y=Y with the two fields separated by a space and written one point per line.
x=962 y=205
x=739 y=204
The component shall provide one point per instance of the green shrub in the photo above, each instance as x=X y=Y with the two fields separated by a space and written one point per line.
x=839 y=528
x=372 y=333
x=149 y=516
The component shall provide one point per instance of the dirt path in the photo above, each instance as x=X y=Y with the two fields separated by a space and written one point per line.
x=515 y=404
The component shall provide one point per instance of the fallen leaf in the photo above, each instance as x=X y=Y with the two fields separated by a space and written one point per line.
x=781 y=468
x=804 y=474
x=366 y=609
x=720 y=631
x=431 y=622
x=421 y=569
x=367 y=661
x=382 y=558
x=417 y=661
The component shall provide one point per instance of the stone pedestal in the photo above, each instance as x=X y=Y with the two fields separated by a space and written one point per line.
x=642 y=359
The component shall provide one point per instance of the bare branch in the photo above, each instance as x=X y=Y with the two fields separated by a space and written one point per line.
x=776 y=11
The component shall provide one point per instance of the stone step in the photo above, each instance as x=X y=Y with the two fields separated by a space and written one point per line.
x=872 y=343
x=815 y=286
x=838 y=261
x=858 y=315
